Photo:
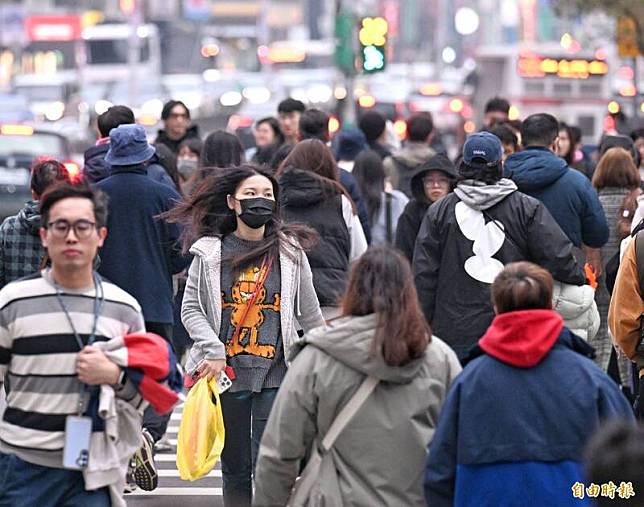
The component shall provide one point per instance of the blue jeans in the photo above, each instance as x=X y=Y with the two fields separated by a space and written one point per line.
x=245 y=415
x=24 y=484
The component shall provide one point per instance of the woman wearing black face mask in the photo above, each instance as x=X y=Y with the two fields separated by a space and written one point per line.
x=249 y=281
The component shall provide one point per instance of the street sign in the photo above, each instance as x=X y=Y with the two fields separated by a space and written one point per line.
x=627 y=45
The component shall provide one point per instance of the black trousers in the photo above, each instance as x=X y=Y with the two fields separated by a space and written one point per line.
x=157 y=424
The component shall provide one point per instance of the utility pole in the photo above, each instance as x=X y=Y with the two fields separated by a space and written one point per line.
x=345 y=41
x=133 y=10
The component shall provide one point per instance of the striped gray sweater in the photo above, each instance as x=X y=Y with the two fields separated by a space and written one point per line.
x=38 y=359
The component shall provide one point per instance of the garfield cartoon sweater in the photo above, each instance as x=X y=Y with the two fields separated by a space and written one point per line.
x=251 y=332
x=201 y=309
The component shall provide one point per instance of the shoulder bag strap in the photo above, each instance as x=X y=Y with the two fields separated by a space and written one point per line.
x=639 y=252
x=388 y=218
x=348 y=412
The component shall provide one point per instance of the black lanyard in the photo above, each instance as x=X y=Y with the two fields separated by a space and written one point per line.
x=98 y=303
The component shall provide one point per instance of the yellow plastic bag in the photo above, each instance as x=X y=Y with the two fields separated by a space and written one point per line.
x=201 y=432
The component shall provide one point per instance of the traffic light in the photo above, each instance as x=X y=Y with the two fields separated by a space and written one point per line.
x=373 y=42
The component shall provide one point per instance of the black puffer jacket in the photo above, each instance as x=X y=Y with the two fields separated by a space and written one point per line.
x=308 y=199
x=460 y=250
x=173 y=144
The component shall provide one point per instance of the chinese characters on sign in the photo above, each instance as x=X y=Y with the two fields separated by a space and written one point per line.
x=608 y=490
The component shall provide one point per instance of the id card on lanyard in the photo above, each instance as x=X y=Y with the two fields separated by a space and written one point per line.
x=78 y=428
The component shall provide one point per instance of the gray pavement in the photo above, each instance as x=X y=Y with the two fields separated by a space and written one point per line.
x=173 y=491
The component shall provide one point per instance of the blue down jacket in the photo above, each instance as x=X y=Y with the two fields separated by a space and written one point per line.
x=515 y=422
x=567 y=194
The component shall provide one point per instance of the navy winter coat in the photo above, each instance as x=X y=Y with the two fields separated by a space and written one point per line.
x=567 y=194
x=141 y=252
x=516 y=420
x=96 y=169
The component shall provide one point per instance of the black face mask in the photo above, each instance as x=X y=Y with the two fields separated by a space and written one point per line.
x=256 y=211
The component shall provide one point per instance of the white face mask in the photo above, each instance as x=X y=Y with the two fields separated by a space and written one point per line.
x=187 y=166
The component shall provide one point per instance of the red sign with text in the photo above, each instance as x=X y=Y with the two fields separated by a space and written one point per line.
x=53 y=28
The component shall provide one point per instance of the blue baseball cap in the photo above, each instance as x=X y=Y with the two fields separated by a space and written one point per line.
x=485 y=147
x=128 y=146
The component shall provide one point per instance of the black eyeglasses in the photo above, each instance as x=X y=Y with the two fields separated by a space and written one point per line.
x=82 y=228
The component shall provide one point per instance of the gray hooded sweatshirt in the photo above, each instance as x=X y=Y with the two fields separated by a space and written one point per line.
x=378 y=459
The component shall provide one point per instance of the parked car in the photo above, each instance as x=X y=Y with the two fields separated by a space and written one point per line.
x=20 y=146
x=14 y=109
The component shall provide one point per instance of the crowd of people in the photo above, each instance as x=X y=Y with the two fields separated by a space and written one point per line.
x=480 y=315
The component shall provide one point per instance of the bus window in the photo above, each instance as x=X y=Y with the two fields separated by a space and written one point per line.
x=114 y=51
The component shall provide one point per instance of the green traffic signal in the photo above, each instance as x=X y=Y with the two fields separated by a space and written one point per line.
x=372 y=36
x=373 y=58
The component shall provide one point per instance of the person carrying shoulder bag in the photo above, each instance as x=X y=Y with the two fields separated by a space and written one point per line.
x=626 y=310
x=375 y=358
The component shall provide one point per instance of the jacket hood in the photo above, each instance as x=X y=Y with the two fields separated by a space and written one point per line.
x=534 y=168
x=436 y=163
x=414 y=153
x=349 y=340
x=481 y=196
x=301 y=188
x=98 y=151
x=29 y=217
x=522 y=338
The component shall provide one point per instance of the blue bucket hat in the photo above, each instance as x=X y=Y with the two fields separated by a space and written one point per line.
x=128 y=146
x=484 y=146
x=349 y=143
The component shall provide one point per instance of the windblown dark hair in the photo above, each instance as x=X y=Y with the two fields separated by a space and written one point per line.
x=369 y=172
x=206 y=213
x=381 y=282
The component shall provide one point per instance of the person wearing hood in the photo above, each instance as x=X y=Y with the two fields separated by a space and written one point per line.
x=378 y=457
x=430 y=182
x=468 y=236
x=568 y=194
x=416 y=151
x=21 y=251
x=248 y=287
x=513 y=428
x=96 y=168
x=311 y=194
x=177 y=128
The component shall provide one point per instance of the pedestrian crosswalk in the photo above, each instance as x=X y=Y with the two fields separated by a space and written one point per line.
x=208 y=489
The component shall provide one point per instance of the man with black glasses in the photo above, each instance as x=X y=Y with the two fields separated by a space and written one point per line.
x=48 y=323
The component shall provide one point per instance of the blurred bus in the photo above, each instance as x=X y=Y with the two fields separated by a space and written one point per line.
x=106 y=50
x=298 y=54
x=574 y=87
